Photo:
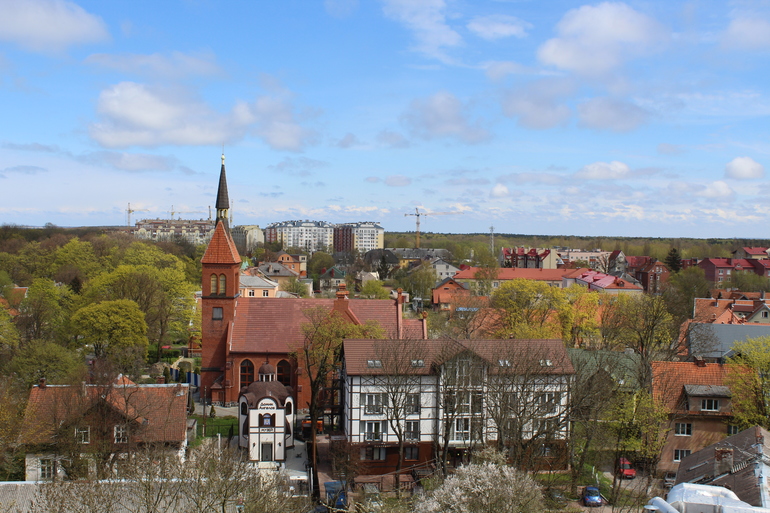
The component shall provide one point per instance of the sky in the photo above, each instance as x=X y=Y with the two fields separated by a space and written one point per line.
x=637 y=118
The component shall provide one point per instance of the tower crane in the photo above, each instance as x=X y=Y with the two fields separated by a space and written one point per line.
x=130 y=211
x=172 y=212
x=417 y=214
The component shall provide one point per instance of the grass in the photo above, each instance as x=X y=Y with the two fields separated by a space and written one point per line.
x=217 y=425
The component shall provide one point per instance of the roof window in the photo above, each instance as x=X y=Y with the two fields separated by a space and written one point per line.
x=418 y=363
x=374 y=364
x=504 y=363
x=546 y=363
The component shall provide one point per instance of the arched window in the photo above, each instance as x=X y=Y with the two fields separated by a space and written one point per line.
x=284 y=372
x=247 y=373
x=244 y=408
x=289 y=408
x=222 y=284
x=213 y=284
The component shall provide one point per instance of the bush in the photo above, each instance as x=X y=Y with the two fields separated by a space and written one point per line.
x=212 y=412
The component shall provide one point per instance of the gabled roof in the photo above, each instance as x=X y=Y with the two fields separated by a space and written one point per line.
x=512 y=273
x=277 y=269
x=273 y=325
x=221 y=249
x=533 y=357
x=160 y=411
x=670 y=378
x=257 y=282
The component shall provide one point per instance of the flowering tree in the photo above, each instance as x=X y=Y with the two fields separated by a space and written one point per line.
x=485 y=487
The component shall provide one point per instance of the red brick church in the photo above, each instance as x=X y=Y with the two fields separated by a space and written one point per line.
x=239 y=334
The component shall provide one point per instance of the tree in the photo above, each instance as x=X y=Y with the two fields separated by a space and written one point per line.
x=749 y=381
x=487 y=487
x=420 y=281
x=580 y=322
x=294 y=286
x=529 y=309
x=748 y=281
x=44 y=359
x=319 y=261
x=682 y=289
x=374 y=289
x=114 y=329
x=320 y=353
x=43 y=312
x=673 y=261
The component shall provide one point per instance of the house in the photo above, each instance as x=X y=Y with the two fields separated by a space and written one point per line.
x=253 y=284
x=596 y=259
x=446 y=293
x=465 y=394
x=752 y=252
x=362 y=236
x=443 y=269
x=332 y=278
x=266 y=414
x=650 y=272
x=376 y=258
x=529 y=258
x=239 y=333
x=601 y=282
x=247 y=237
x=78 y=430
x=738 y=463
x=554 y=277
x=296 y=263
x=617 y=263
x=720 y=269
x=698 y=405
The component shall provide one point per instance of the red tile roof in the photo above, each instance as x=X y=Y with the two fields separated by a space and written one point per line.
x=275 y=325
x=511 y=273
x=159 y=412
x=669 y=379
x=221 y=249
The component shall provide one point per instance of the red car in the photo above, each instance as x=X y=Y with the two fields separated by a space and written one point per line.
x=624 y=469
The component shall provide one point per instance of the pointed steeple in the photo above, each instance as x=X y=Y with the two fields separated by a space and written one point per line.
x=223 y=199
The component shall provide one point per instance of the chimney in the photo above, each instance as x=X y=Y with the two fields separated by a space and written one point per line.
x=723 y=460
x=41 y=383
x=400 y=313
x=160 y=380
x=699 y=361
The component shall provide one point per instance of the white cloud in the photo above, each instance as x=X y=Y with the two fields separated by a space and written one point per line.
x=539 y=104
x=597 y=39
x=611 y=114
x=349 y=141
x=443 y=115
x=718 y=189
x=135 y=114
x=174 y=65
x=49 y=26
x=499 y=191
x=498 y=26
x=604 y=171
x=300 y=166
x=427 y=21
x=747 y=33
x=131 y=162
x=744 y=168
x=498 y=70
x=398 y=181
x=392 y=139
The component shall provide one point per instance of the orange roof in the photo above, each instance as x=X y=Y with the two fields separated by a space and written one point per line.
x=158 y=412
x=221 y=249
x=512 y=273
x=669 y=379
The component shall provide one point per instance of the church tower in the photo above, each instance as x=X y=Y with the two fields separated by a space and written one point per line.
x=220 y=289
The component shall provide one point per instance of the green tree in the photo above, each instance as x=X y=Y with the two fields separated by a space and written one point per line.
x=9 y=336
x=321 y=353
x=374 y=289
x=43 y=312
x=45 y=359
x=749 y=381
x=294 y=286
x=580 y=323
x=76 y=262
x=319 y=261
x=529 y=309
x=748 y=281
x=673 y=261
x=682 y=289
x=116 y=331
x=420 y=281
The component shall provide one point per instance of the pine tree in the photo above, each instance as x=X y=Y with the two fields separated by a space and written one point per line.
x=673 y=260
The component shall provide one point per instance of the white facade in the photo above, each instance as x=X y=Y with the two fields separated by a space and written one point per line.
x=194 y=231
x=308 y=235
x=246 y=237
x=443 y=269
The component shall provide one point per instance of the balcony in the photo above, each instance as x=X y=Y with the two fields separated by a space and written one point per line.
x=411 y=435
x=375 y=436
x=373 y=409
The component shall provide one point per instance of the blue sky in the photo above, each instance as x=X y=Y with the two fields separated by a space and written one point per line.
x=637 y=118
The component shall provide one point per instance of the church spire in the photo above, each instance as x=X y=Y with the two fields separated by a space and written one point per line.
x=223 y=199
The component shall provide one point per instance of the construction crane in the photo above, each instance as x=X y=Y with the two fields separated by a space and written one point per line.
x=417 y=214
x=172 y=212
x=130 y=211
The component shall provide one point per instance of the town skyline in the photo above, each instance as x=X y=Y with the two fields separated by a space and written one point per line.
x=628 y=118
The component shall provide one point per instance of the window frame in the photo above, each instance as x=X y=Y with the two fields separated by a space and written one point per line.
x=709 y=405
x=83 y=435
x=680 y=454
x=120 y=434
x=683 y=429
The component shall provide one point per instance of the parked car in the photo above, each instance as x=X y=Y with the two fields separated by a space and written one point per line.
x=624 y=469
x=591 y=496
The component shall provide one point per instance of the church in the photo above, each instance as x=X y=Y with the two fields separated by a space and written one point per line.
x=240 y=334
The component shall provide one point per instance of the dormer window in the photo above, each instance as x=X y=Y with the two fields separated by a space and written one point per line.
x=709 y=405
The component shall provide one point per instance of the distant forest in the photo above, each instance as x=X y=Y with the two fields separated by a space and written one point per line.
x=460 y=244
